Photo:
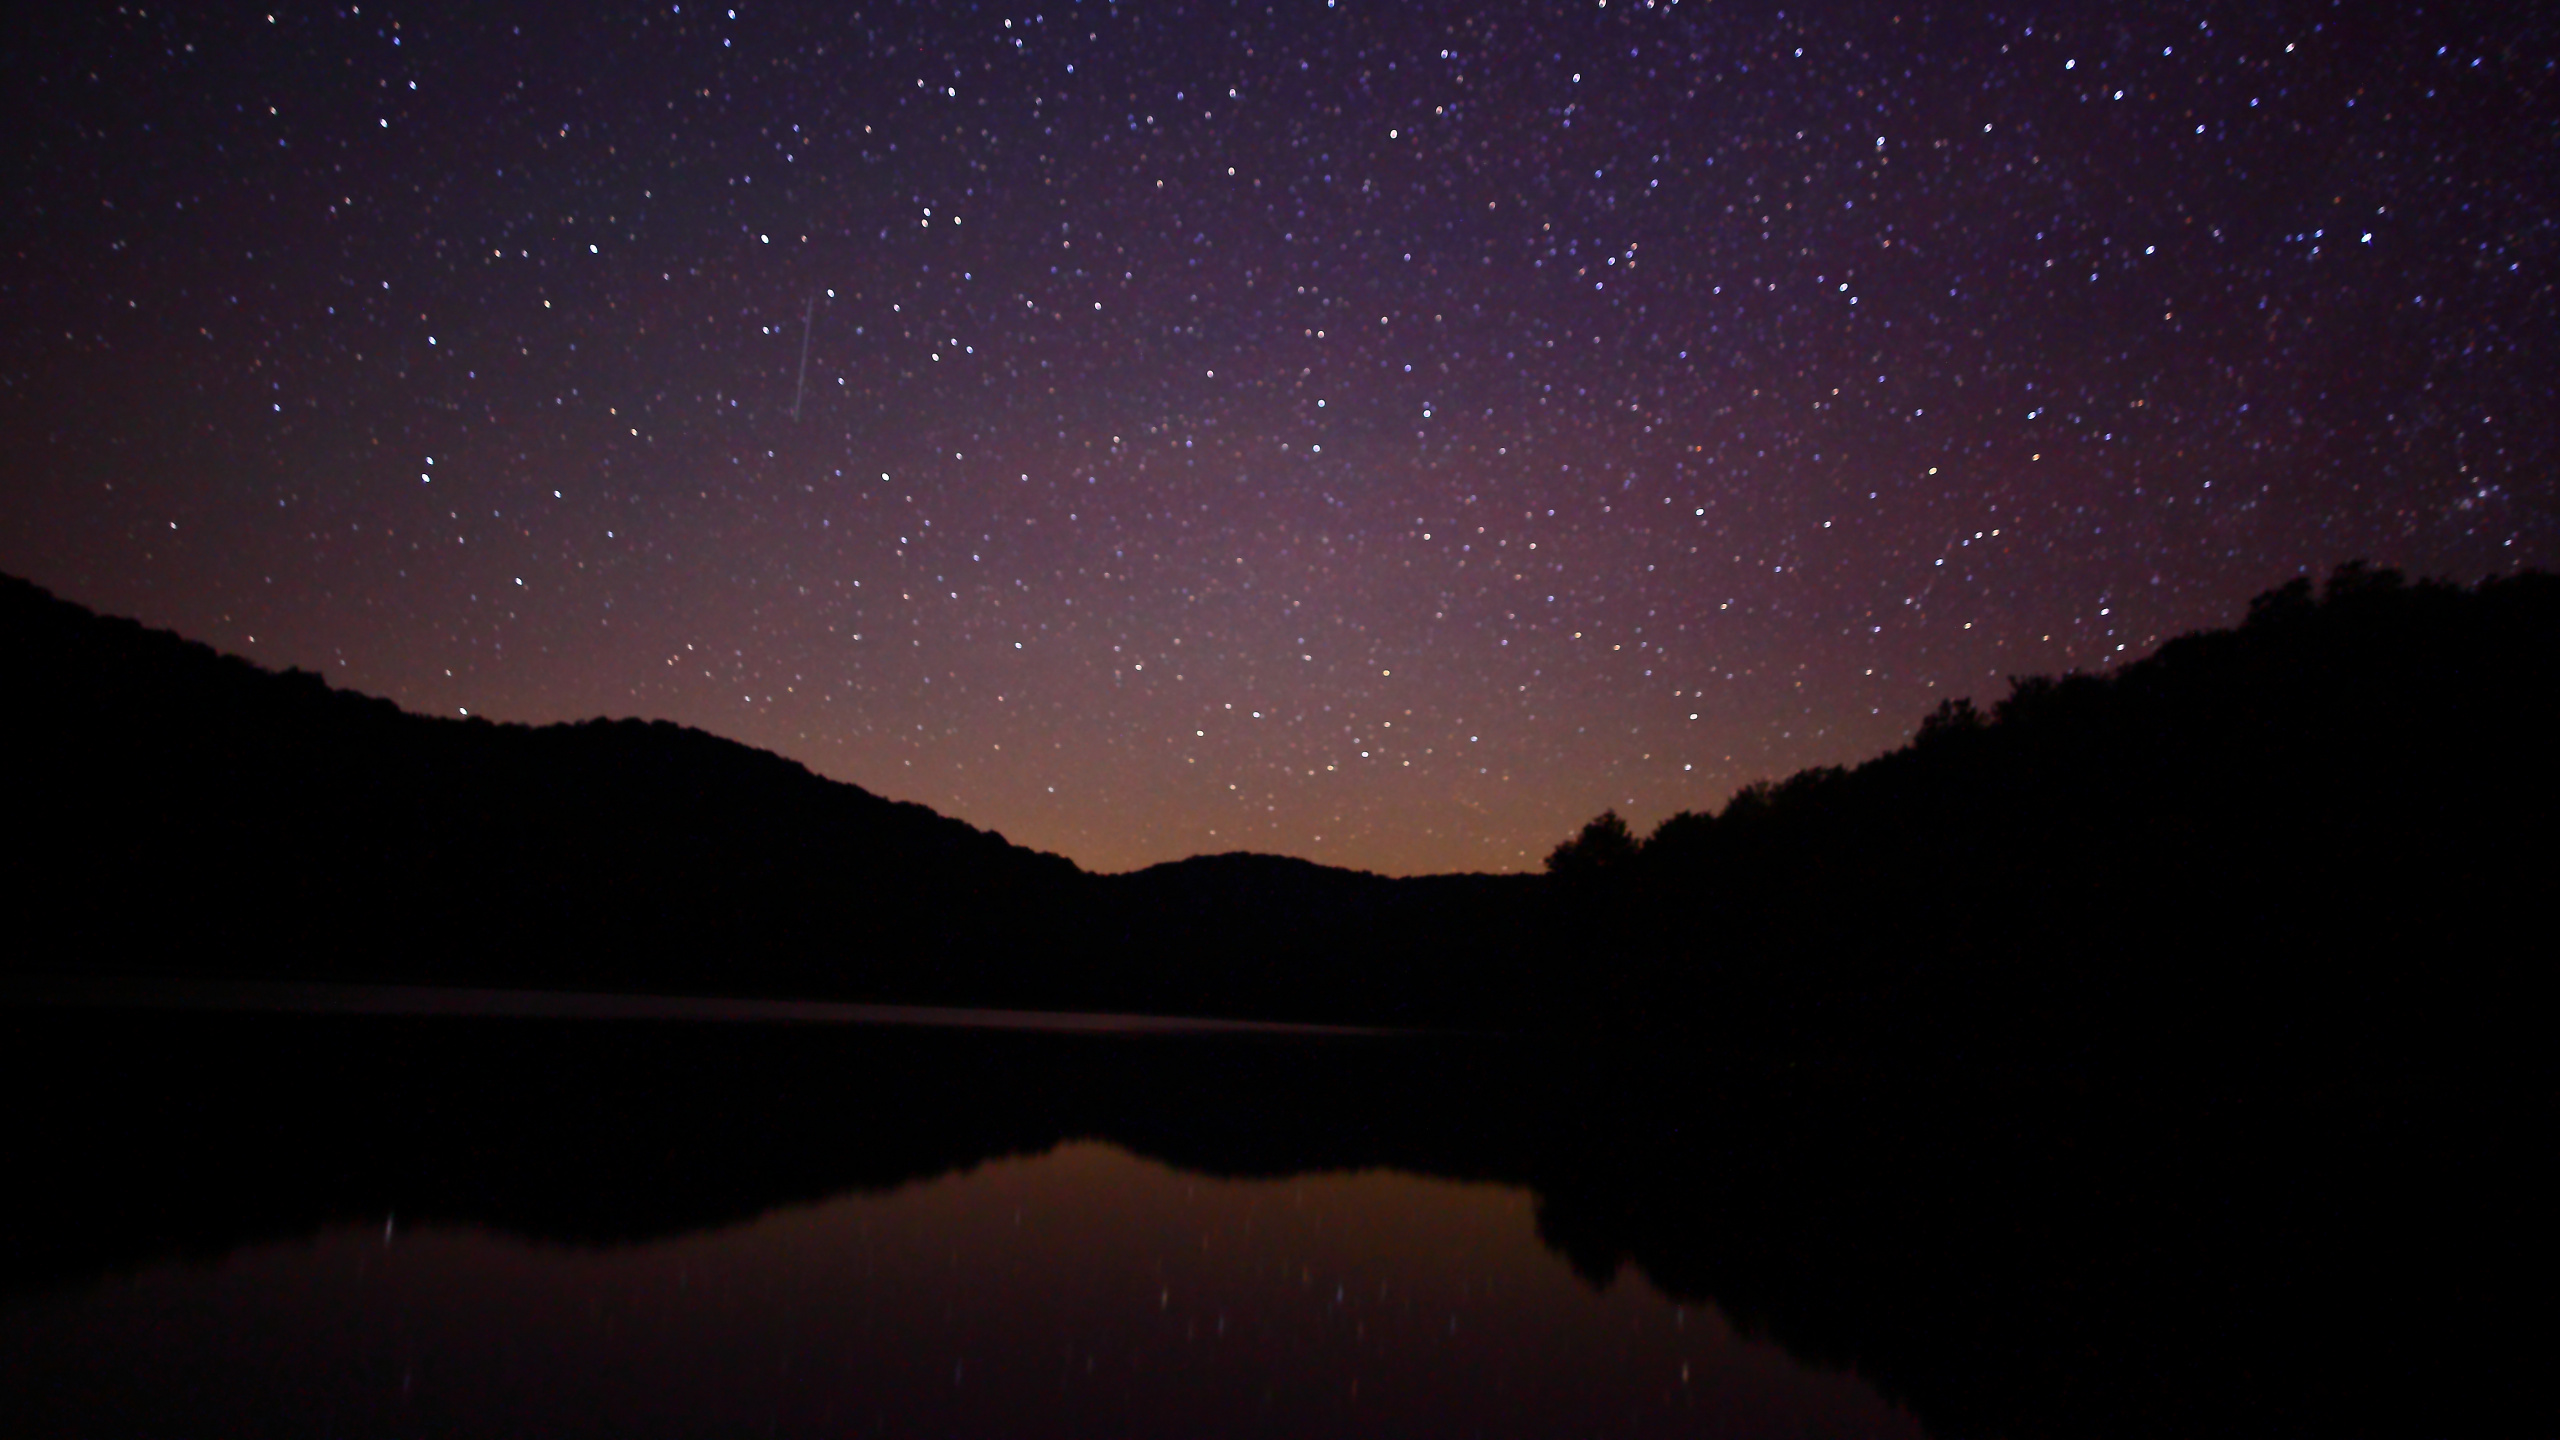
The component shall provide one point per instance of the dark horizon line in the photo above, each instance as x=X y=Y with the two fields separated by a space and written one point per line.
x=314 y=997
x=2108 y=667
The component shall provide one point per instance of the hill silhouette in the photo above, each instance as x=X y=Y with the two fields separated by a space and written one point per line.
x=2319 y=820
x=195 y=813
x=2324 y=828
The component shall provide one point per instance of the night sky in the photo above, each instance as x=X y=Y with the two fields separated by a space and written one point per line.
x=1382 y=434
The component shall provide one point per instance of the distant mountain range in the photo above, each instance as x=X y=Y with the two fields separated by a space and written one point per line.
x=2344 y=799
x=177 y=810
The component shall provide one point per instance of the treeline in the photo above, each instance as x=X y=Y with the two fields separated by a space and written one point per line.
x=2329 y=826
x=176 y=810
x=2334 y=815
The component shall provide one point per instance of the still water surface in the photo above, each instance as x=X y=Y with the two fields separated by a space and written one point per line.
x=257 y=1209
x=1082 y=1291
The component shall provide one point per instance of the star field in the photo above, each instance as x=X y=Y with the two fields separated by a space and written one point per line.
x=1379 y=435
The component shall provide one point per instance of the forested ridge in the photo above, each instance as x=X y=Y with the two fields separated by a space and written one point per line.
x=2331 y=821
x=2332 y=812
x=182 y=811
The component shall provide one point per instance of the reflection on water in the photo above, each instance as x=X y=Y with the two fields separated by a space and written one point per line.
x=307 y=997
x=1084 y=1291
x=614 y=1222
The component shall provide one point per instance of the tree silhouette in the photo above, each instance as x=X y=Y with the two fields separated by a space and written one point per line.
x=1604 y=844
x=1952 y=717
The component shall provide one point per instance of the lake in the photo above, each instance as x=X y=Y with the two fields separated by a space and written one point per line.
x=361 y=1211
x=1066 y=1288
x=1083 y=1291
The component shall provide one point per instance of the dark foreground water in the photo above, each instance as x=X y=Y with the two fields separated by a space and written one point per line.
x=241 y=1211
x=1084 y=1291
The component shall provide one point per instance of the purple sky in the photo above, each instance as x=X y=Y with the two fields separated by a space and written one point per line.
x=1382 y=434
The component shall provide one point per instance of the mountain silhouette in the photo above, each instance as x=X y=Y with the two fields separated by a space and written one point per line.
x=2327 y=827
x=197 y=813
x=2326 y=818
x=194 y=813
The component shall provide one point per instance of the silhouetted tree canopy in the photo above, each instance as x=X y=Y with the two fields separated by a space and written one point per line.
x=1603 y=843
x=2273 y=825
x=196 y=813
x=2342 y=780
